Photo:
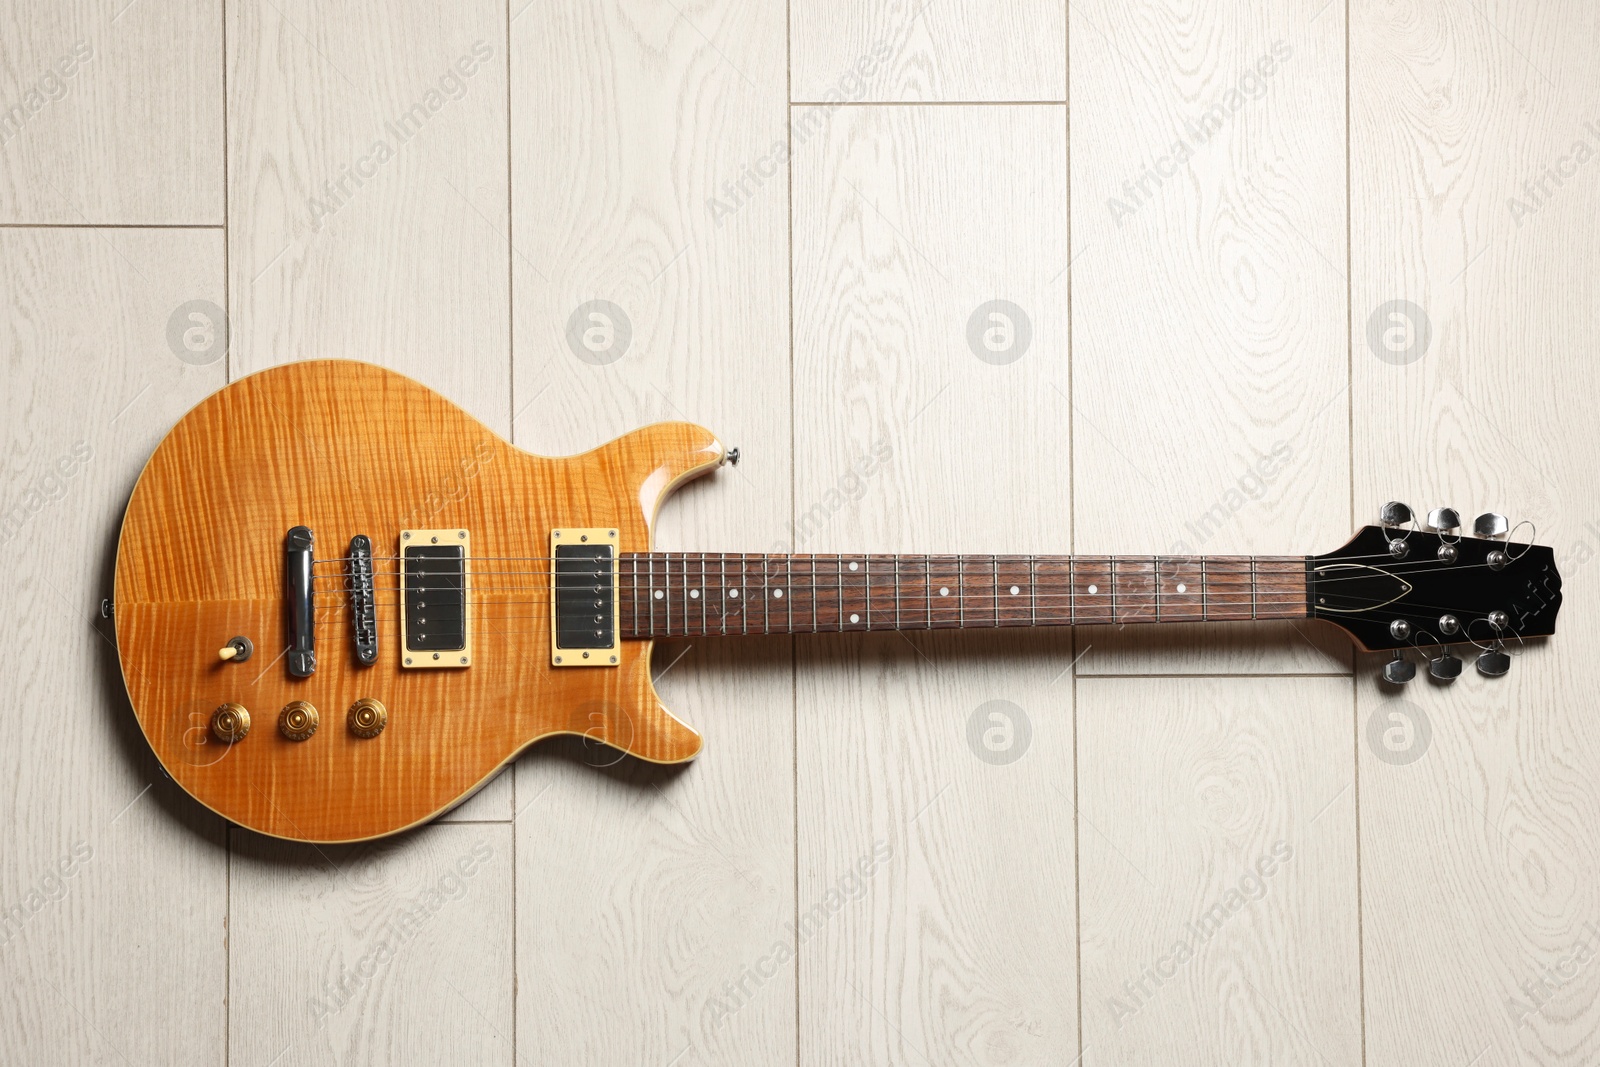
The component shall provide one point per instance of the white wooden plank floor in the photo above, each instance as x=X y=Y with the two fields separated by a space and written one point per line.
x=1009 y=276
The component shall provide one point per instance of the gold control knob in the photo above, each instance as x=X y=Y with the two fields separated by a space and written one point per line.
x=368 y=717
x=229 y=723
x=297 y=721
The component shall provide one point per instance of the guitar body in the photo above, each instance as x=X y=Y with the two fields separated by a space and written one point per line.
x=348 y=449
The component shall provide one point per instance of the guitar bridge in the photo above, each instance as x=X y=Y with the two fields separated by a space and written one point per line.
x=584 y=629
x=363 y=604
x=435 y=627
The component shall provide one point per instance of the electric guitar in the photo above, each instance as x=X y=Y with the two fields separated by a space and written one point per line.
x=342 y=604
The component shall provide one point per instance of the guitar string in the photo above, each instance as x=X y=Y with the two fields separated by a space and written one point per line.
x=1146 y=595
x=963 y=577
x=916 y=557
x=903 y=565
x=827 y=599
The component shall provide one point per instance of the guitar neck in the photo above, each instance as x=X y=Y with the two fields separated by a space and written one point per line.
x=693 y=594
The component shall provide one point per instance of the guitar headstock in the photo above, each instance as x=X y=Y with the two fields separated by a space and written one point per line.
x=1402 y=585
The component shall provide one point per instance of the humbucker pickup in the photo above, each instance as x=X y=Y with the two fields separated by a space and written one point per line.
x=435 y=623
x=584 y=629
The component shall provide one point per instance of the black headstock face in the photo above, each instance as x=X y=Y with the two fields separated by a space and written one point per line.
x=1425 y=598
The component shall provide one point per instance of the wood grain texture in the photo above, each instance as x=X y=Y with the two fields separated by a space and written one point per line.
x=1208 y=365
x=1216 y=832
x=111 y=112
x=958 y=945
x=113 y=889
x=389 y=953
x=935 y=52
x=369 y=202
x=346 y=448
x=1479 y=859
x=368 y=193
x=656 y=888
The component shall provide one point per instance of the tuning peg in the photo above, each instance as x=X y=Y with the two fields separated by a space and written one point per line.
x=1494 y=663
x=1445 y=668
x=1489 y=525
x=1399 y=670
x=1394 y=513
x=1443 y=520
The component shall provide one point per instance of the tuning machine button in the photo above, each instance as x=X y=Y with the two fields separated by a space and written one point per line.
x=1497 y=560
x=1443 y=520
x=1490 y=525
x=1494 y=663
x=367 y=717
x=1449 y=624
x=297 y=721
x=1399 y=670
x=1394 y=513
x=230 y=723
x=1448 y=552
x=1398 y=548
x=1399 y=629
x=1446 y=667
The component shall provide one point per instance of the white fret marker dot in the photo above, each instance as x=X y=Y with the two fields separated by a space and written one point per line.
x=1182 y=588
x=778 y=593
x=659 y=594
x=855 y=618
x=1094 y=589
x=944 y=590
x=694 y=594
x=734 y=593
x=1015 y=590
x=855 y=567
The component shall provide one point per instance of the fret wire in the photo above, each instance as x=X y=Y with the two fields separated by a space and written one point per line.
x=897 y=597
x=866 y=568
x=1252 y=587
x=927 y=587
x=766 y=596
x=1033 y=591
x=840 y=564
x=814 y=614
x=994 y=565
x=961 y=592
x=1203 y=590
x=1072 y=590
x=1156 y=578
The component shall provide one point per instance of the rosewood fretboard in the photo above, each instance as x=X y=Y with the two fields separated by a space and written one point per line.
x=689 y=594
